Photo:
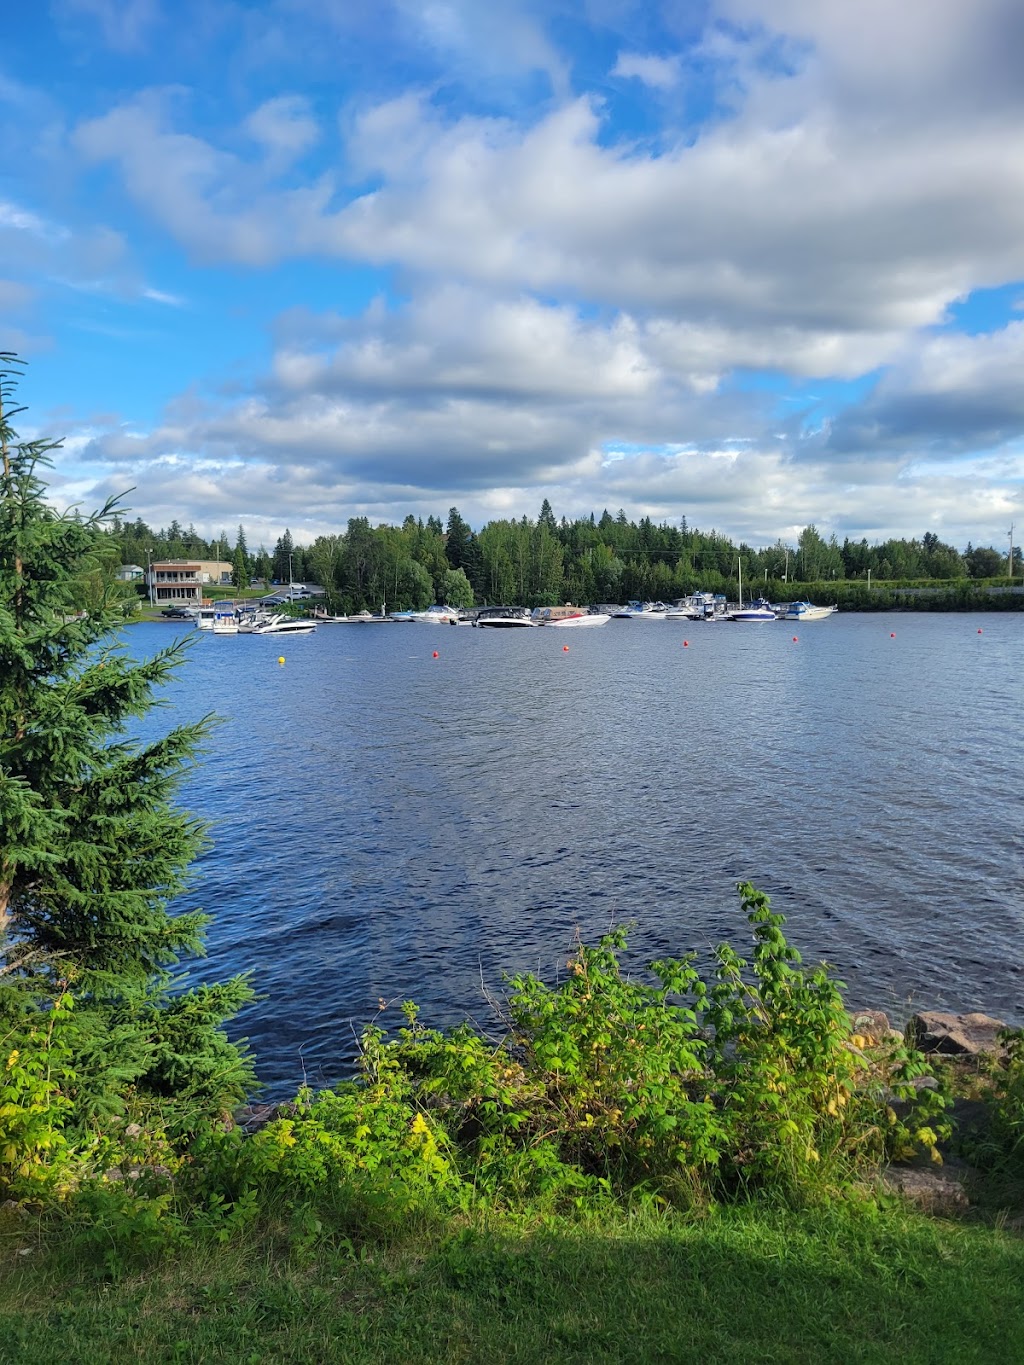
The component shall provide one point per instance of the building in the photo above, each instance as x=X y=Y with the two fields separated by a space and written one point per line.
x=131 y=573
x=181 y=581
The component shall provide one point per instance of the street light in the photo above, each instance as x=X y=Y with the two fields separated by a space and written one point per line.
x=149 y=574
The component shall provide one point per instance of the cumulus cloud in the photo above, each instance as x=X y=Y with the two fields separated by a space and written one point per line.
x=661 y=72
x=952 y=394
x=572 y=288
x=818 y=226
x=285 y=127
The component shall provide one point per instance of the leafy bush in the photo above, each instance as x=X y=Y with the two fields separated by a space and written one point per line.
x=601 y=1086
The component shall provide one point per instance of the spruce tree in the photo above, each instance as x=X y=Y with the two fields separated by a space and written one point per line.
x=93 y=848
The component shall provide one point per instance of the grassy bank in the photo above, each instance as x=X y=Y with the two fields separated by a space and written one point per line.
x=847 y=1283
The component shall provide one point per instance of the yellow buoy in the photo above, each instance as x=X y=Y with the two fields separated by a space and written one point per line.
x=280 y=659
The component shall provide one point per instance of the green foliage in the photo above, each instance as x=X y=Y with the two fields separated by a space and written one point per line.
x=602 y=1087
x=94 y=850
x=999 y=1145
x=1008 y=1094
x=35 y=1076
x=611 y=559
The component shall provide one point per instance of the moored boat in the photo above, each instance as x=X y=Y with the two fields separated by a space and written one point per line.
x=759 y=610
x=504 y=618
x=284 y=625
x=438 y=615
x=807 y=611
x=641 y=611
x=569 y=616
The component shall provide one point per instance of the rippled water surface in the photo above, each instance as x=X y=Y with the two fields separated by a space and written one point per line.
x=392 y=825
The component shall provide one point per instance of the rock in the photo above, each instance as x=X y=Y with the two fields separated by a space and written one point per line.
x=901 y=1105
x=873 y=1026
x=252 y=1117
x=958 y=1035
x=931 y=1191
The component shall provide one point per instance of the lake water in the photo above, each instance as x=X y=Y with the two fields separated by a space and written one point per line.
x=391 y=825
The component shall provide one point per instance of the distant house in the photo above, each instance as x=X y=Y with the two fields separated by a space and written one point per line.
x=181 y=581
x=131 y=573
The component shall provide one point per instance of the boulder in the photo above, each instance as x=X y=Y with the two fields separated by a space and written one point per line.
x=931 y=1191
x=957 y=1035
x=873 y=1026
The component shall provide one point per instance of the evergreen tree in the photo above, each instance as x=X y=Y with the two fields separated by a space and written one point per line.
x=283 y=567
x=239 y=569
x=93 y=848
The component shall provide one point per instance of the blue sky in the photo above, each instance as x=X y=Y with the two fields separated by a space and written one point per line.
x=289 y=261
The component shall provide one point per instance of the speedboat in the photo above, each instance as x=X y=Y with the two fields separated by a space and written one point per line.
x=438 y=616
x=504 y=618
x=761 y=610
x=284 y=625
x=569 y=616
x=641 y=611
x=806 y=611
x=683 y=610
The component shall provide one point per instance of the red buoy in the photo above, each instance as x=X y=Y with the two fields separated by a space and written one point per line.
x=436 y=654
x=565 y=649
x=686 y=642
x=794 y=639
x=892 y=635
x=979 y=630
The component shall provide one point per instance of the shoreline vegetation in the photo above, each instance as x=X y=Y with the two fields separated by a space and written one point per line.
x=671 y=1163
x=545 y=562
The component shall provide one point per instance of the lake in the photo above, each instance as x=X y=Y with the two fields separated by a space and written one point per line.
x=388 y=825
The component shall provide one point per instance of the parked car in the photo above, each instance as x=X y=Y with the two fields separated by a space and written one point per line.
x=176 y=613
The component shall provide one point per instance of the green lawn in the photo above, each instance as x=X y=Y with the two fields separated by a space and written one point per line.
x=742 y=1285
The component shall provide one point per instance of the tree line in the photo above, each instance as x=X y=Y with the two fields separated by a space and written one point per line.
x=548 y=560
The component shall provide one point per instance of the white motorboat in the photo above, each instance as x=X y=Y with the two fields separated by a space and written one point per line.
x=569 y=616
x=284 y=625
x=806 y=611
x=225 y=622
x=504 y=618
x=699 y=606
x=641 y=611
x=438 y=616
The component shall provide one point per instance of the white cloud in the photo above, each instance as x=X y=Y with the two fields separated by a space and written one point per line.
x=663 y=73
x=285 y=127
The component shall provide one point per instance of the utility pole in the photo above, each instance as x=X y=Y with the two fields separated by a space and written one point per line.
x=1010 y=564
x=149 y=574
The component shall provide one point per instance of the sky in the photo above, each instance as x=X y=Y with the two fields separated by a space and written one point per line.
x=758 y=263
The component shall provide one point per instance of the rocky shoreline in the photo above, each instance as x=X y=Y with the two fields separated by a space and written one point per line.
x=962 y=1044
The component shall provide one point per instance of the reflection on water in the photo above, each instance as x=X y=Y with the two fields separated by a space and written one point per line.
x=390 y=824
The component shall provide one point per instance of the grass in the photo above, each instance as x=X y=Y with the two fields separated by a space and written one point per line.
x=847 y=1284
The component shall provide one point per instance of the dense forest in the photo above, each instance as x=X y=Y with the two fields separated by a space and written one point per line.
x=547 y=560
